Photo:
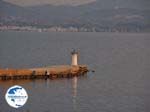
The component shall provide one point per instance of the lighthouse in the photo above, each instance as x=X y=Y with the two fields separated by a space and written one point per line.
x=74 y=54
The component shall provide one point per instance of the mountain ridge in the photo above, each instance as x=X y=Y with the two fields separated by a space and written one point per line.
x=69 y=16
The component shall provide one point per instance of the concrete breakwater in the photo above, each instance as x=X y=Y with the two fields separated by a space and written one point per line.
x=61 y=71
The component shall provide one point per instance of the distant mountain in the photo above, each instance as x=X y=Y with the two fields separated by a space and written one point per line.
x=89 y=16
x=103 y=4
x=25 y=3
x=7 y=9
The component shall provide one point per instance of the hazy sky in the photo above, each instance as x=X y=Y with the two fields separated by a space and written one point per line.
x=52 y=2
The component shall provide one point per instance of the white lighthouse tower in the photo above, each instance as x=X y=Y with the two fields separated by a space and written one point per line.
x=74 y=58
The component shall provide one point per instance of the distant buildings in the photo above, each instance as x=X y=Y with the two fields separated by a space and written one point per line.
x=72 y=29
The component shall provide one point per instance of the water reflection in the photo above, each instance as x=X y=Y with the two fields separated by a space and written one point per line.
x=47 y=82
x=8 y=83
x=74 y=85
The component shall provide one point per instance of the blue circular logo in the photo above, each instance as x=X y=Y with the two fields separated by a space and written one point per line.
x=16 y=96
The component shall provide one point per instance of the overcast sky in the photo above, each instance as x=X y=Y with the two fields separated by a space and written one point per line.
x=52 y=2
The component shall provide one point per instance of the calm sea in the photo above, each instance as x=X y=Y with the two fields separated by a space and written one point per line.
x=121 y=82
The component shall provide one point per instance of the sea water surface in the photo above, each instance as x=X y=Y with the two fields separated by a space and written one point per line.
x=121 y=82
